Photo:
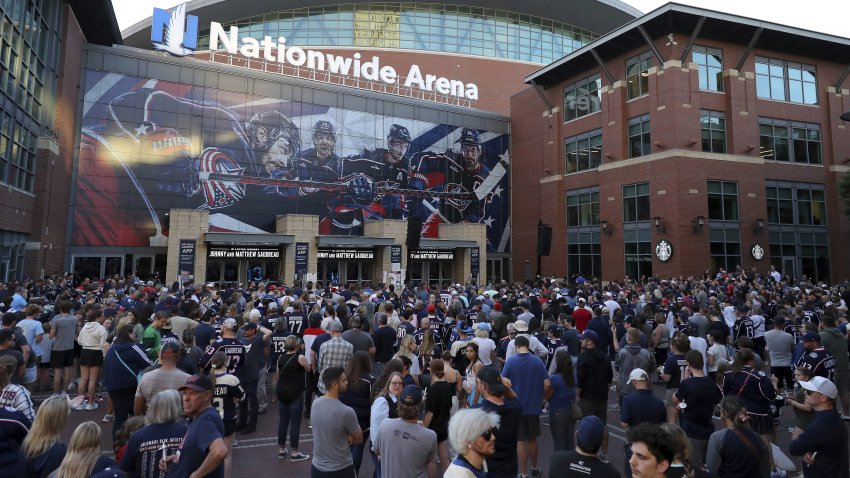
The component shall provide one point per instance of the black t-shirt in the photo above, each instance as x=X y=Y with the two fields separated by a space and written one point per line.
x=254 y=349
x=384 y=340
x=146 y=447
x=700 y=394
x=297 y=323
x=504 y=463
x=205 y=334
x=675 y=367
x=276 y=343
x=439 y=403
x=571 y=464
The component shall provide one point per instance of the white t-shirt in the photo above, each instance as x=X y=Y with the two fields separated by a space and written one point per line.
x=719 y=352
x=485 y=347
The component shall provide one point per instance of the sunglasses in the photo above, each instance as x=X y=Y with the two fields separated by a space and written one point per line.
x=488 y=434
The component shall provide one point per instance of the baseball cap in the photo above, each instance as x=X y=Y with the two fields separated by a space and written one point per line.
x=336 y=326
x=590 y=335
x=582 y=300
x=521 y=326
x=255 y=314
x=169 y=347
x=590 y=432
x=637 y=374
x=742 y=309
x=272 y=305
x=821 y=385
x=198 y=383
x=466 y=330
x=432 y=308
x=812 y=335
x=229 y=324
x=411 y=395
x=250 y=325
x=490 y=376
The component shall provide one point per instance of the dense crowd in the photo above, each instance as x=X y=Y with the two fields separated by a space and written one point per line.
x=429 y=380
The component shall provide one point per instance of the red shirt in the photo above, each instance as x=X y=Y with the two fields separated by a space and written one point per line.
x=314 y=331
x=582 y=317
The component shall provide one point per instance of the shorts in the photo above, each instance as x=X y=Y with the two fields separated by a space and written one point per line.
x=668 y=396
x=596 y=408
x=229 y=427
x=529 y=427
x=62 y=358
x=91 y=358
x=30 y=375
x=761 y=424
x=45 y=364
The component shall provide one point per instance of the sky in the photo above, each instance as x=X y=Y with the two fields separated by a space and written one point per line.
x=825 y=16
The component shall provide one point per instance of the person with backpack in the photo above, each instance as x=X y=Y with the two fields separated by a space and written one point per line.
x=122 y=368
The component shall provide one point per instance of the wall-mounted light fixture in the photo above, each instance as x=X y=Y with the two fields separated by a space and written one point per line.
x=759 y=225
x=658 y=225
x=606 y=228
x=698 y=223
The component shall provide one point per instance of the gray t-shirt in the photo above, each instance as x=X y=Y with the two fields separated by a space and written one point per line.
x=405 y=448
x=66 y=332
x=158 y=380
x=332 y=423
x=780 y=346
x=359 y=339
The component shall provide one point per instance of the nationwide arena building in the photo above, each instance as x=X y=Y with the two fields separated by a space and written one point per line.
x=229 y=141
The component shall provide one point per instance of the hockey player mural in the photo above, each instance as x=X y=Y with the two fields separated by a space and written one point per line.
x=148 y=146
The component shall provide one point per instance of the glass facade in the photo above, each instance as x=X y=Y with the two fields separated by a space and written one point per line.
x=29 y=56
x=584 y=247
x=786 y=81
x=636 y=202
x=782 y=140
x=419 y=26
x=725 y=246
x=722 y=201
x=639 y=137
x=637 y=75
x=710 y=63
x=583 y=98
x=638 y=252
x=713 y=128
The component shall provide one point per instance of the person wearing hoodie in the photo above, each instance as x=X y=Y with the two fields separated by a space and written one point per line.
x=122 y=365
x=836 y=343
x=594 y=376
x=92 y=338
x=630 y=357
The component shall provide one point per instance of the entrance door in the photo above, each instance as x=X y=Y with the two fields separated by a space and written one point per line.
x=143 y=265
x=256 y=271
x=231 y=272
x=329 y=272
x=789 y=266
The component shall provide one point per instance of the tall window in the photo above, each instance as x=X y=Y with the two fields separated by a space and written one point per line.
x=713 y=126
x=722 y=201
x=636 y=202
x=637 y=74
x=639 y=138
x=782 y=140
x=638 y=253
x=583 y=151
x=796 y=204
x=786 y=81
x=710 y=63
x=583 y=209
x=584 y=253
x=583 y=98
x=799 y=253
x=725 y=246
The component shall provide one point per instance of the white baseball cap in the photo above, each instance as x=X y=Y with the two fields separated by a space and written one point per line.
x=821 y=385
x=638 y=374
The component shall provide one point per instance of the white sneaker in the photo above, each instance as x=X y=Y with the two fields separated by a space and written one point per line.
x=81 y=406
x=91 y=406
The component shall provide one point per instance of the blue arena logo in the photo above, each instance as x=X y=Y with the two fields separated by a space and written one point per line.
x=174 y=32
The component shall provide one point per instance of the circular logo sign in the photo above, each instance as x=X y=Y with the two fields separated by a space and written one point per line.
x=664 y=250
x=757 y=251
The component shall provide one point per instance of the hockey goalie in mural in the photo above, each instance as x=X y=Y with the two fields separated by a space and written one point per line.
x=150 y=146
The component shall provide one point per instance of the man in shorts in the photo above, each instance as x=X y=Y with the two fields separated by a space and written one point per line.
x=529 y=380
x=63 y=331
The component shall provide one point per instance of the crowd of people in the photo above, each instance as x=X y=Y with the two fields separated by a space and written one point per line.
x=429 y=380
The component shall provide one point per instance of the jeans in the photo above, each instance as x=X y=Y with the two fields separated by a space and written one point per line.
x=377 y=463
x=357 y=452
x=343 y=473
x=248 y=407
x=122 y=407
x=562 y=426
x=312 y=381
x=290 y=419
x=262 y=385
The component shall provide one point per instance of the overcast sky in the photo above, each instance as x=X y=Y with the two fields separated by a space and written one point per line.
x=826 y=16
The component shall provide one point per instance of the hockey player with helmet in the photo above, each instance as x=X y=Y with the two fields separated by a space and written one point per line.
x=319 y=163
x=453 y=172
x=365 y=173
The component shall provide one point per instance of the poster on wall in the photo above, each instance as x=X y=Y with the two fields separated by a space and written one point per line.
x=395 y=258
x=302 y=250
x=148 y=146
x=186 y=261
x=475 y=261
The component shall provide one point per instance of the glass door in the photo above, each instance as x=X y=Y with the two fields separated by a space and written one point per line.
x=143 y=265
x=789 y=266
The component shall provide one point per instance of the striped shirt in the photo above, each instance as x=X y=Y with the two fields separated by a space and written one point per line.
x=17 y=398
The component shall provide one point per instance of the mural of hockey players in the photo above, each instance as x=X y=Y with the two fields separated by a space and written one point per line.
x=369 y=175
x=459 y=172
x=322 y=153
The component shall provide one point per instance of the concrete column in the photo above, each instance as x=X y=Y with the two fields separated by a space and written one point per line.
x=462 y=267
x=187 y=224
x=394 y=229
x=305 y=228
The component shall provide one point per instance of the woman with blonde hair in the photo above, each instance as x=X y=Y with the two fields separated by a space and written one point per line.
x=84 y=457
x=407 y=348
x=43 y=447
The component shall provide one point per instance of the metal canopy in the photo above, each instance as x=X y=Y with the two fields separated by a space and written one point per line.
x=235 y=238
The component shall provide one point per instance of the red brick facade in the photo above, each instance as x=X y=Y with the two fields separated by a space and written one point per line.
x=676 y=169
